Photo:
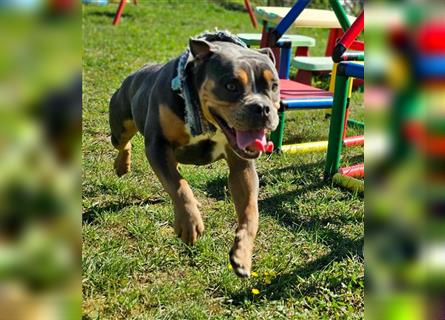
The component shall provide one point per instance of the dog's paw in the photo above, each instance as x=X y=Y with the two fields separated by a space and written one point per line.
x=188 y=224
x=122 y=164
x=241 y=255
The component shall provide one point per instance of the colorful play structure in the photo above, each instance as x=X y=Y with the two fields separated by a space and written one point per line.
x=347 y=68
x=298 y=96
x=347 y=176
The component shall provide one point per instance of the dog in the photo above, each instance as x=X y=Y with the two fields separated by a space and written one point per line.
x=216 y=101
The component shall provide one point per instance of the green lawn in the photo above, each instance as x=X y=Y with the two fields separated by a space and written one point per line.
x=308 y=256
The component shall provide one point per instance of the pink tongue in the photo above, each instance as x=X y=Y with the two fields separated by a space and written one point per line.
x=255 y=139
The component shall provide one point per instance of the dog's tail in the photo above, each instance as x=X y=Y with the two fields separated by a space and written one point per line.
x=120 y=115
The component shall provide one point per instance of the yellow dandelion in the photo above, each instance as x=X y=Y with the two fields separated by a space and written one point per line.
x=267 y=281
x=255 y=291
x=254 y=274
x=266 y=273
x=230 y=267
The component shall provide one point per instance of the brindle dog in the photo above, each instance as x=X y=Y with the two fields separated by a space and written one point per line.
x=238 y=96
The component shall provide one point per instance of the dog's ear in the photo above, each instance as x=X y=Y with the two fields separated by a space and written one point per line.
x=201 y=49
x=268 y=52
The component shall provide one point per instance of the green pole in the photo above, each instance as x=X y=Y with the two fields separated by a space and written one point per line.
x=336 y=126
x=341 y=14
x=277 y=135
x=355 y=123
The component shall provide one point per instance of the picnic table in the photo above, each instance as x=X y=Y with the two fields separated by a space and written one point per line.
x=309 y=18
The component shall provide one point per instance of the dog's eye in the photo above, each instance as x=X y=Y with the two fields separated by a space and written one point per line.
x=274 y=87
x=231 y=86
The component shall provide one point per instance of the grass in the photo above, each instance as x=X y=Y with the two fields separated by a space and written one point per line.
x=308 y=256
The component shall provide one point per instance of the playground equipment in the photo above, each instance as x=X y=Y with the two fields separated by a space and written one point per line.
x=347 y=40
x=344 y=72
x=308 y=65
x=299 y=42
x=346 y=176
x=347 y=68
x=251 y=14
x=298 y=96
x=295 y=95
x=120 y=9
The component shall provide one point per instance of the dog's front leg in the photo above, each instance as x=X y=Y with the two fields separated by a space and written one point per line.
x=188 y=221
x=243 y=184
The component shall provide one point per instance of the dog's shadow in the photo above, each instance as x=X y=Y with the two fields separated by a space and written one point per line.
x=218 y=188
x=279 y=288
x=340 y=246
x=91 y=214
x=108 y=14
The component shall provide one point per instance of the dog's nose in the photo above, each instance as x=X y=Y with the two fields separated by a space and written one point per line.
x=262 y=109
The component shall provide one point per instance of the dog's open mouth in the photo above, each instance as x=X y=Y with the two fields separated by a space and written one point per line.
x=247 y=144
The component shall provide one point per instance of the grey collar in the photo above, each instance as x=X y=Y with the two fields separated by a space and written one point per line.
x=182 y=85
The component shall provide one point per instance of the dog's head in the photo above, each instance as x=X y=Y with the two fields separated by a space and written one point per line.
x=238 y=90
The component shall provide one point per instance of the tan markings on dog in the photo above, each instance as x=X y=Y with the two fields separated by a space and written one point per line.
x=129 y=130
x=242 y=76
x=172 y=127
x=268 y=75
x=277 y=105
x=208 y=99
x=122 y=163
x=221 y=141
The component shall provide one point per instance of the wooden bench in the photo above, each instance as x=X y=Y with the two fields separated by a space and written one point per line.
x=307 y=66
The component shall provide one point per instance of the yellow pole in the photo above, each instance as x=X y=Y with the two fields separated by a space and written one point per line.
x=332 y=87
x=299 y=148
x=350 y=183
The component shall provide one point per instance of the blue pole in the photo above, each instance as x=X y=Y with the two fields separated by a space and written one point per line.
x=287 y=21
x=309 y=103
x=285 y=57
x=351 y=69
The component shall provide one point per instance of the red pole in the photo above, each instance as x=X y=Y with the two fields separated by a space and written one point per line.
x=348 y=37
x=345 y=124
x=353 y=31
x=264 y=36
x=357 y=170
x=354 y=140
x=357 y=45
x=120 y=9
x=332 y=38
x=251 y=14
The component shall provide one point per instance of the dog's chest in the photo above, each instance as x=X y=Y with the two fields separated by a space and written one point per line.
x=202 y=149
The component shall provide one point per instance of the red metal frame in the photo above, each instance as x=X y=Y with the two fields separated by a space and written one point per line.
x=334 y=34
x=357 y=170
x=251 y=14
x=120 y=9
x=354 y=140
x=351 y=34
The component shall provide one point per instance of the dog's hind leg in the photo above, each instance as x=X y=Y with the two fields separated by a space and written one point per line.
x=123 y=129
